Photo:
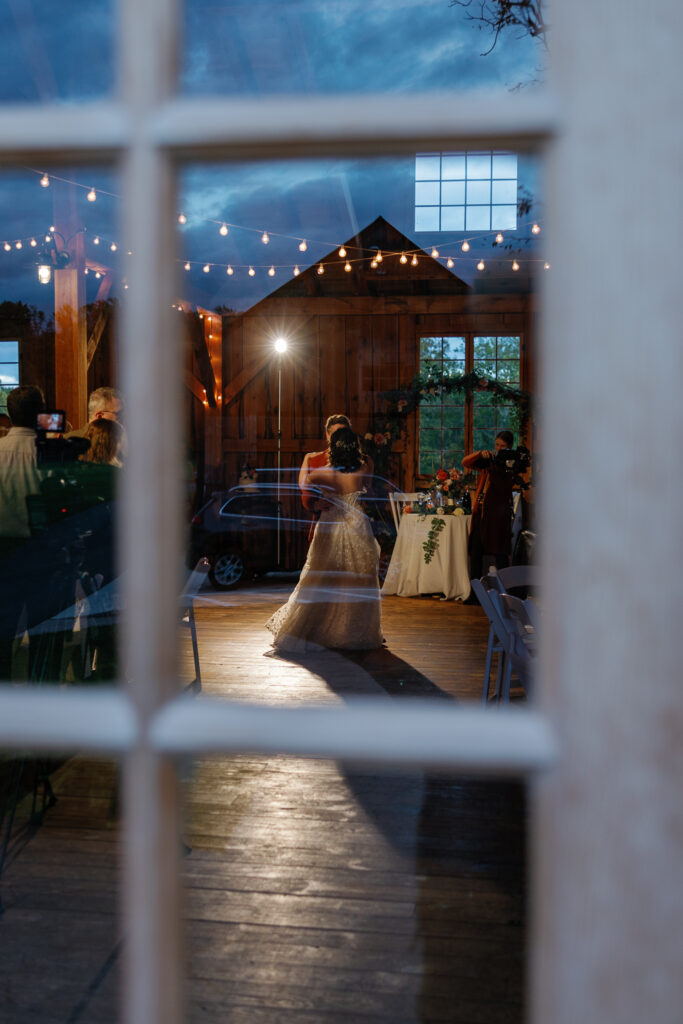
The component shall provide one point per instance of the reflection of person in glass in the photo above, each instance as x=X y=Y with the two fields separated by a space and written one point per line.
x=336 y=602
x=491 y=526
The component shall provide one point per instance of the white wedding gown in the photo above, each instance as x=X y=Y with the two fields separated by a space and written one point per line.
x=336 y=602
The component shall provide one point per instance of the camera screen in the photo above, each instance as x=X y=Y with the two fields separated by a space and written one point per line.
x=51 y=421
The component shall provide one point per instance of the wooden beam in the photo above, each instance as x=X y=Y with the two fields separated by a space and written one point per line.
x=195 y=386
x=239 y=382
x=97 y=332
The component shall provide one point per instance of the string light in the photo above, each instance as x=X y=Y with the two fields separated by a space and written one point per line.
x=321 y=269
x=413 y=262
x=18 y=245
x=302 y=245
x=7 y=247
x=33 y=243
x=296 y=271
x=435 y=253
x=113 y=247
x=515 y=265
x=465 y=246
x=347 y=266
x=449 y=263
x=45 y=181
x=44 y=273
x=229 y=271
x=499 y=238
x=546 y=266
x=223 y=230
x=373 y=264
x=86 y=271
x=206 y=268
x=98 y=275
x=91 y=196
x=404 y=258
x=342 y=252
x=187 y=266
x=481 y=265
x=182 y=219
x=271 y=272
x=48 y=238
x=265 y=238
x=251 y=271
x=535 y=230
x=96 y=240
x=379 y=256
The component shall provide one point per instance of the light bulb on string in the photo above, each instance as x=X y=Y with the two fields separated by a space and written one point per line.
x=113 y=247
x=379 y=256
x=465 y=246
x=296 y=271
x=187 y=266
x=265 y=238
x=86 y=271
x=435 y=253
x=271 y=272
x=182 y=219
x=347 y=267
x=535 y=229
x=515 y=265
x=98 y=275
x=229 y=271
x=91 y=196
x=373 y=264
x=48 y=238
x=7 y=247
x=206 y=268
x=96 y=240
x=546 y=266
x=45 y=181
x=44 y=273
x=321 y=269
x=481 y=265
x=342 y=252
x=403 y=258
x=251 y=272
x=18 y=245
x=499 y=238
x=223 y=230
x=52 y=228
x=413 y=262
x=302 y=245
x=33 y=243
x=449 y=262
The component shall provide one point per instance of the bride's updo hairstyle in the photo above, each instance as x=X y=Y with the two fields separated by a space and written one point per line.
x=345 y=454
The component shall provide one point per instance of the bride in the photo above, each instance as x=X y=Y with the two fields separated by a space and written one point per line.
x=336 y=602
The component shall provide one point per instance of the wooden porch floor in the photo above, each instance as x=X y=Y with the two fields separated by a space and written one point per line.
x=313 y=893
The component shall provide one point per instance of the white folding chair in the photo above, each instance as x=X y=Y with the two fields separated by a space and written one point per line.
x=190 y=591
x=497 y=641
x=512 y=576
x=397 y=500
x=520 y=641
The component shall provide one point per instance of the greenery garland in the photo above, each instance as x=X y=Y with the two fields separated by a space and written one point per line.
x=432 y=542
x=389 y=425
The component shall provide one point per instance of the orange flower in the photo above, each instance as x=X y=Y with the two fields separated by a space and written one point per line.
x=442 y=475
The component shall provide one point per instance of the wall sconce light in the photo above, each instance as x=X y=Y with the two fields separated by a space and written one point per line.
x=44 y=273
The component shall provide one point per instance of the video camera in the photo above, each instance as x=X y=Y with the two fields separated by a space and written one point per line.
x=514 y=460
x=51 y=446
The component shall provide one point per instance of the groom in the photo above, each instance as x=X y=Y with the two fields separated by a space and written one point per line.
x=312 y=502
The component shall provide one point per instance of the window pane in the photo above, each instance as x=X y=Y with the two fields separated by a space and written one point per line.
x=453 y=166
x=484 y=348
x=508 y=370
x=478 y=218
x=453 y=218
x=478 y=192
x=430 y=439
x=426 y=218
x=484 y=439
x=430 y=417
x=453 y=367
x=484 y=415
x=453 y=458
x=59 y=614
x=504 y=165
x=503 y=218
x=56 y=52
x=453 y=193
x=454 y=348
x=504 y=191
x=427 y=168
x=429 y=463
x=454 y=437
x=266 y=47
x=431 y=348
x=486 y=366
x=478 y=165
x=427 y=193
x=508 y=348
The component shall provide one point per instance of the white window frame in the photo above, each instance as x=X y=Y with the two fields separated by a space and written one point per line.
x=467 y=203
x=600 y=951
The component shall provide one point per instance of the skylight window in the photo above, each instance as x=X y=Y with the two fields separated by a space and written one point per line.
x=466 y=191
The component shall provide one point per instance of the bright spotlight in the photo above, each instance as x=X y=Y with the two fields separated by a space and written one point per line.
x=280 y=345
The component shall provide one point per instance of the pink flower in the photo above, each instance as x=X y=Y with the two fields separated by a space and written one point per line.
x=456 y=474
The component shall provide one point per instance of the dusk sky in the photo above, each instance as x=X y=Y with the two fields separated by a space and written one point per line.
x=65 y=52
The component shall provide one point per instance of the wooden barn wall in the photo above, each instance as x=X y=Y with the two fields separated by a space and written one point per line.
x=342 y=355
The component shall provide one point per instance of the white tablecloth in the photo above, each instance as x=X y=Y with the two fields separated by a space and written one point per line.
x=448 y=571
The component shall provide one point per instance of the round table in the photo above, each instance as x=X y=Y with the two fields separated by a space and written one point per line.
x=447 y=572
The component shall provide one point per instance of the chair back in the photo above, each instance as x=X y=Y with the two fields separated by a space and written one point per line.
x=397 y=500
x=516 y=576
x=482 y=591
x=521 y=635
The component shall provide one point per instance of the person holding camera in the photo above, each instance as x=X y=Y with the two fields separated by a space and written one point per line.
x=490 y=538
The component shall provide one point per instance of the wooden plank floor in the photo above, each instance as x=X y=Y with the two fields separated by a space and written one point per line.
x=312 y=892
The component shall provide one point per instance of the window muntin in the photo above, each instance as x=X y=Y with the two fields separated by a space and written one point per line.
x=449 y=426
x=9 y=370
x=466 y=191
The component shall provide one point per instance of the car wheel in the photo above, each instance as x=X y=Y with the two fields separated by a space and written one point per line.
x=228 y=569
